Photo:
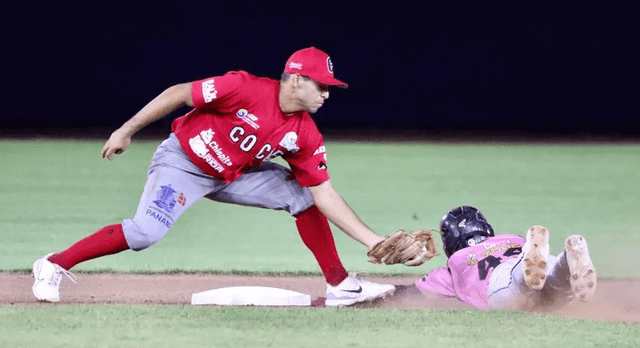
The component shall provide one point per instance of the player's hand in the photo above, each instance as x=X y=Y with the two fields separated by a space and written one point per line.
x=118 y=142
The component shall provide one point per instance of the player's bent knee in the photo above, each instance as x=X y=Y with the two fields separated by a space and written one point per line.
x=139 y=236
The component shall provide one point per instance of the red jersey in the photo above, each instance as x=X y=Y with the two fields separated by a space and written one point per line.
x=237 y=124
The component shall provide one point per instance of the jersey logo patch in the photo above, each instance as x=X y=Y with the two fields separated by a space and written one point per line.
x=471 y=259
x=322 y=166
x=200 y=145
x=248 y=118
x=289 y=142
x=209 y=91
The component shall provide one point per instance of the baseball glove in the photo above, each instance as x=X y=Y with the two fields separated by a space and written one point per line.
x=411 y=249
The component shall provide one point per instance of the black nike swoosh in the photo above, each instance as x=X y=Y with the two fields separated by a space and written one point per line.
x=357 y=291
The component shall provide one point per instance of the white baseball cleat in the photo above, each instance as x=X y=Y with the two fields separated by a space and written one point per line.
x=47 y=275
x=535 y=254
x=353 y=290
x=582 y=274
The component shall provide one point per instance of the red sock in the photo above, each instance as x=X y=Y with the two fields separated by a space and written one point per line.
x=106 y=241
x=315 y=231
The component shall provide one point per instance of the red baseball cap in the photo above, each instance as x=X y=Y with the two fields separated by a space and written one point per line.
x=315 y=64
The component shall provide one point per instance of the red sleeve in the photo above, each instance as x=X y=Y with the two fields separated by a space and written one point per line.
x=309 y=164
x=212 y=93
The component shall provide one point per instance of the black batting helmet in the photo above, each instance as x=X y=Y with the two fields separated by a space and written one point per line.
x=462 y=227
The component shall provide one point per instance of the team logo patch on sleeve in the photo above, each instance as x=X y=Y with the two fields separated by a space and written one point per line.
x=209 y=91
x=289 y=142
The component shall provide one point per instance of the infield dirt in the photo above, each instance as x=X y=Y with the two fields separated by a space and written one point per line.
x=615 y=299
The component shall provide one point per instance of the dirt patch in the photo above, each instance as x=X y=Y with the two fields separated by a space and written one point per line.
x=615 y=300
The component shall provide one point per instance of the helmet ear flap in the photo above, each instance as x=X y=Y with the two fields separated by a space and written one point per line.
x=476 y=239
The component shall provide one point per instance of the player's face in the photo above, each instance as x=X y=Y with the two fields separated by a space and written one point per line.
x=312 y=95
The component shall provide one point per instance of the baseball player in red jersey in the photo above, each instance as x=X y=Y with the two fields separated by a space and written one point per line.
x=221 y=150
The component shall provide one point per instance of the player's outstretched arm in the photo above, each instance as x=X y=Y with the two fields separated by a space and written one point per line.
x=333 y=206
x=168 y=101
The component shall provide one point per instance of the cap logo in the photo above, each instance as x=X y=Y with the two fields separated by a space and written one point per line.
x=294 y=65
x=329 y=65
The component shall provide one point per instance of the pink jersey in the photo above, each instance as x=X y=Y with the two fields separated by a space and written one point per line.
x=237 y=124
x=468 y=270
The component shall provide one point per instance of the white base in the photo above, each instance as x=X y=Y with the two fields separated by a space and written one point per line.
x=250 y=296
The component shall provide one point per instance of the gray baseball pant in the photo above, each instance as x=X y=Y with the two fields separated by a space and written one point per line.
x=508 y=290
x=174 y=183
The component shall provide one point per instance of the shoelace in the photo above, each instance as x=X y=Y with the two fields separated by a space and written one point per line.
x=57 y=276
x=356 y=273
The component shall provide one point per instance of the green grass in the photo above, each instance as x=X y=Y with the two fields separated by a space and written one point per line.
x=184 y=326
x=56 y=192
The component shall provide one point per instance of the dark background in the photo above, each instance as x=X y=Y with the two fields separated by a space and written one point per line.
x=438 y=67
